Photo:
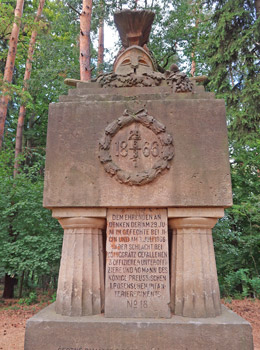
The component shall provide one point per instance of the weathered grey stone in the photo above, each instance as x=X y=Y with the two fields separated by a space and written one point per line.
x=95 y=88
x=138 y=61
x=134 y=26
x=49 y=331
x=137 y=268
x=141 y=97
x=160 y=149
x=81 y=277
x=124 y=91
x=199 y=174
x=194 y=280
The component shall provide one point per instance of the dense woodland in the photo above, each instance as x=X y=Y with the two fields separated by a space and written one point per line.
x=48 y=41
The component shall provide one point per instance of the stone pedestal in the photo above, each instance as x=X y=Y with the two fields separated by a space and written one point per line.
x=49 y=331
x=137 y=148
x=81 y=278
x=194 y=282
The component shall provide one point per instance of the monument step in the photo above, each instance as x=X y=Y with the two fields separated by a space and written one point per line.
x=91 y=86
x=226 y=332
x=158 y=96
x=94 y=88
x=124 y=91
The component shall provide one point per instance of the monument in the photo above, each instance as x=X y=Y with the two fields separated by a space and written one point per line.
x=137 y=173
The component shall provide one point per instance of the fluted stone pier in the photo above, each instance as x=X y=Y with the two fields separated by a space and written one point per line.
x=81 y=278
x=194 y=282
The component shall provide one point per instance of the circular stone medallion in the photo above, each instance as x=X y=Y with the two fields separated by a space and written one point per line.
x=135 y=148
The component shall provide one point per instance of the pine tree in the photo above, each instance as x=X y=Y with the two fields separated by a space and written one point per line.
x=232 y=53
x=85 y=49
x=9 y=67
x=27 y=75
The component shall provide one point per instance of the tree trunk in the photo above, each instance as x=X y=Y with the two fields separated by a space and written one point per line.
x=101 y=45
x=193 y=62
x=193 y=65
x=194 y=12
x=10 y=282
x=231 y=75
x=9 y=67
x=21 y=286
x=257 y=8
x=27 y=75
x=85 y=24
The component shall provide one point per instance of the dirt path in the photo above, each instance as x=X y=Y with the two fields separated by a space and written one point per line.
x=250 y=311
x=12 y=323
x=13 y=318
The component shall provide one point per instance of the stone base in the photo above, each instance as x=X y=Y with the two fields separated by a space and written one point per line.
x=49 y=331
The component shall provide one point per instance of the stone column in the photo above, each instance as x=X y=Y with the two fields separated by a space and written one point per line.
x=194 y=282
x=81 y=278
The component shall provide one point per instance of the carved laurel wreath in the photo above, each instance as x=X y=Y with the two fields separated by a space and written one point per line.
x=143 y=177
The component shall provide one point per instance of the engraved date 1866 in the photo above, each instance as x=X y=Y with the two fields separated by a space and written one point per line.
x=133 y=146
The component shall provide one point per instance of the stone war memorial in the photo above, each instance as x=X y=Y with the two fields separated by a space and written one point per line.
x=137 y=173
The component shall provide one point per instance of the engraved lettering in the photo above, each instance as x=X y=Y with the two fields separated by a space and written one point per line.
x=137 y=277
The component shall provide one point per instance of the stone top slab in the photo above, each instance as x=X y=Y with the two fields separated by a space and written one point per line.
x=198 y=174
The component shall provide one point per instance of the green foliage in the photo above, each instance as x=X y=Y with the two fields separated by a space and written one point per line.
x=237 y=236
x=237 y=256
x=14 y=307
x=222 y=37
x=55 y=58
x=31 y=299
x=6 y=16
x=232 y=54
x=53 y=297
x=30 y=238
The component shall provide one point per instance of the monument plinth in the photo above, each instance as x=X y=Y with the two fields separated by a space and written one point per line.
x=137 y=173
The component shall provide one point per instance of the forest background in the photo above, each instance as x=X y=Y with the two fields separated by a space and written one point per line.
x=219 y=39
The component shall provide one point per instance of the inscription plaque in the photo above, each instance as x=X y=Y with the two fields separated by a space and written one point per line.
x=137 y=268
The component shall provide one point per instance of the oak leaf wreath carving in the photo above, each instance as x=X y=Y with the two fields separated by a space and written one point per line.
x=142 y=177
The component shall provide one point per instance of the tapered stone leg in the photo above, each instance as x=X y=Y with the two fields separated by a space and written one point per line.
x=81 y=278
x=194 y=282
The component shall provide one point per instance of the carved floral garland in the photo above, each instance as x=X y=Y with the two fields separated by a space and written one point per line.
x=178 y=81
x=143 y=177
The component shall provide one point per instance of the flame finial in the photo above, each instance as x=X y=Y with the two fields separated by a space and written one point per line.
x=134 y=27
